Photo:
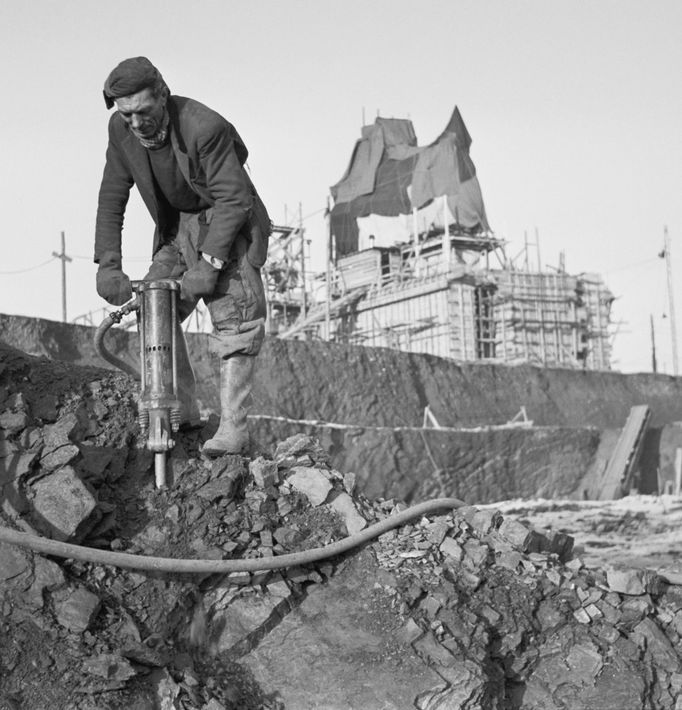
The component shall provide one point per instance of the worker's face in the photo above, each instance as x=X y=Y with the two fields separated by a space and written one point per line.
x=143 y=112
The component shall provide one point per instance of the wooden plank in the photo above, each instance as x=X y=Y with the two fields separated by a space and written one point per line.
x=621 y=467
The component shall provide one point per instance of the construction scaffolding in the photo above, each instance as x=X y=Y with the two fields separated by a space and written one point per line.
x=284 y=278
x=447 y=300
x=546 y=318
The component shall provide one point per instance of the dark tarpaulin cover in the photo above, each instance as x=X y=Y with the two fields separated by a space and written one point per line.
x=386 y=161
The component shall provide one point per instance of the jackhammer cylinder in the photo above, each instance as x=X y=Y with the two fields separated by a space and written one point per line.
x=159 y=405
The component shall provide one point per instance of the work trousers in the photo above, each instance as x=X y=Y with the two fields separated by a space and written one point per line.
x=237 y=306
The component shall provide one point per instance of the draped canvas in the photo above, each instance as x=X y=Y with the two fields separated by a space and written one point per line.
x=386 y=161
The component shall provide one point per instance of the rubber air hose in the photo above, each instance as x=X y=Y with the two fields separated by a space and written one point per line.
x=101 y=331
x=254 y=564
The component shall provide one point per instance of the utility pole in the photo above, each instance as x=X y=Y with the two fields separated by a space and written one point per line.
x=671 y=300
x=654 y=364
x=301 y=231
x=327 y=317
x=537 y=249
x=64 y=258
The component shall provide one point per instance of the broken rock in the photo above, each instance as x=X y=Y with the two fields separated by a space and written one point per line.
x=12 y=561
x=63 y=432
x=220 y=488
x=109 y=666
x=59 y=457
x=522 y=538
x=13 y=422
x=243 y=618
x=47 y=575
x=300 y=448
x=632 y=581
x=452 y=549
x=344 y=506
x=312 y=482
x=75 y=609
x=62 y=502
x=264 y=472
x=650 y=636
x=584 y=660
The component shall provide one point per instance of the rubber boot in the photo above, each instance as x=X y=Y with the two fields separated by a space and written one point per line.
x=232 y=437
x=187 y=392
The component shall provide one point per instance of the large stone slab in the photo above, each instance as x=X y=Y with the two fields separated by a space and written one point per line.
x=349 y=650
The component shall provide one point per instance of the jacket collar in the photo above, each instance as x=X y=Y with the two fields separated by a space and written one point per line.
x=142 y=170
x=177 y=141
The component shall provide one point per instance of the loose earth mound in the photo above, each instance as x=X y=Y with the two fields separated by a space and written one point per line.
x=467 y=608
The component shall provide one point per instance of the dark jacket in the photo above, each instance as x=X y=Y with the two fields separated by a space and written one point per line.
x=211 y=156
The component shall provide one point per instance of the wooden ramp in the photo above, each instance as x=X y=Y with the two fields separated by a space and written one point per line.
x=617 y=479
x=319 y=313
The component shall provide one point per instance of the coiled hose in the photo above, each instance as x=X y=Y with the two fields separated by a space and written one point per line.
x=101 y=331
x=254 y=564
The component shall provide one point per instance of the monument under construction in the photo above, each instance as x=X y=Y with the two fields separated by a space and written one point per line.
x=413 y=265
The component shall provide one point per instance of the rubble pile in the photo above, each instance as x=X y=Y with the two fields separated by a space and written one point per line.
x=467 y=608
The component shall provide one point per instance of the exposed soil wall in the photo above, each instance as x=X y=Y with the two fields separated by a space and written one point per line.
x=478 y=466
x=378 y=396
x=383 y=387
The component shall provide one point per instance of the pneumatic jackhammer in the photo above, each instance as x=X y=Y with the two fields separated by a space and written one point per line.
x=159 y=405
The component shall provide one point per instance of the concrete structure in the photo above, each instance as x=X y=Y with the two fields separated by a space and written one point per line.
x=440 y=295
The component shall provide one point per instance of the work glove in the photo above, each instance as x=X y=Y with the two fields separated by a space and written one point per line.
x=199 y=281
x=166 y=264
x=112 y=284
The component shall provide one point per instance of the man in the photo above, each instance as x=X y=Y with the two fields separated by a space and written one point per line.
x=211 y=228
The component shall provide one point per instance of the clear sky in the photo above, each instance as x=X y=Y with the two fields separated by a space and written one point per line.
x=575 y=110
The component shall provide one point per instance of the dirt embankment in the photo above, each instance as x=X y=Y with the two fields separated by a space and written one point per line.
x=368 y=407
x=380 y=387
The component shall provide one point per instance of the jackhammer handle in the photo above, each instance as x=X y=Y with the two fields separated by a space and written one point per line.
x=173 y=281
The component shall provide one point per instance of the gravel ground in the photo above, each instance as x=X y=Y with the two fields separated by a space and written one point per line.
x=638 y=530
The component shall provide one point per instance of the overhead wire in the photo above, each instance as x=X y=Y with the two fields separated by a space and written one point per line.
x=54 y=258
x=128 y=258
x=633 y=265
x=30 y=268
x=294 y=218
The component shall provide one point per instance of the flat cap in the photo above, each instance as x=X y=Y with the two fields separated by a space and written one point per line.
x=129 y=77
